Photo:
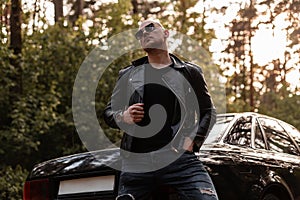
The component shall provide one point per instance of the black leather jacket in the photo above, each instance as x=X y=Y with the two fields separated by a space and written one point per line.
x=198 y=116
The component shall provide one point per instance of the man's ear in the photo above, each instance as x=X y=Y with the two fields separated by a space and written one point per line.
x=166 y=33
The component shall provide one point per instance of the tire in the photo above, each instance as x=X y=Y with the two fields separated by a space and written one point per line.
x=271 y=197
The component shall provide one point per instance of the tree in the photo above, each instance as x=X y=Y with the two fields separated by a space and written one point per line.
x=77 y=7
x=282 y=67
x=16 y=46
x=58 y=10
x=239 y=57
x=36 y=118
x=249 y=81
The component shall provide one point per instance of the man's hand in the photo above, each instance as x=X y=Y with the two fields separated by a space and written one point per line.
x=188 y=144
x=134 y=113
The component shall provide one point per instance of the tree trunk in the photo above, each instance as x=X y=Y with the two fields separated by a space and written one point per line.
x=16 y=46
x=15 y=27
x=135 y=6
x=58 y=10
x=78 y=11
x=79 y=8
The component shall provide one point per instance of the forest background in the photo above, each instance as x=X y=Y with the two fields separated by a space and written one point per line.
x=44 y=42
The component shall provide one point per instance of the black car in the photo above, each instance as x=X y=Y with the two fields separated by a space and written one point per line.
x=248 y=155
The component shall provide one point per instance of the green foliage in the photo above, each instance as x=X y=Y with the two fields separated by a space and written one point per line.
x=6 y=70
x=239 y=105
x=52 y=60
x=38 y=124
x=11 y=182
x=191 y=23
x=43 y=110
x=285 y=108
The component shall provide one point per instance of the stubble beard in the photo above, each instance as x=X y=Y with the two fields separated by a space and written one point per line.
x=152 y=48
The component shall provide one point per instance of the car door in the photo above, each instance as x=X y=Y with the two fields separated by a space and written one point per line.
x=295 y=135
x=247 y=163
x=286 y=153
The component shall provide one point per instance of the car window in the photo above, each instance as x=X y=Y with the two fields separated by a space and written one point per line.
x=278 y=140
x=240 y=134
x=292 y=131
x=259 y=142
x=218 y=129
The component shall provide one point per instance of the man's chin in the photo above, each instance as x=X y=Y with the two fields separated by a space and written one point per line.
x=152 y=49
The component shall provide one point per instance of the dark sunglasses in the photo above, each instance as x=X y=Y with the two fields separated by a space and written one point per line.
x=149 y=28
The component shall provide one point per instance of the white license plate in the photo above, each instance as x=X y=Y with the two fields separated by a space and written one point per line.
x=92 y=184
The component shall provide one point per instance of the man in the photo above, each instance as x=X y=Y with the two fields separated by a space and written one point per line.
x=163 y=106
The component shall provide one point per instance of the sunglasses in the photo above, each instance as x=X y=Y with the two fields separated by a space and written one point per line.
x=149 y=28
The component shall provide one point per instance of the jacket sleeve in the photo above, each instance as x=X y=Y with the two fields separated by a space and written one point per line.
x=117 y=101
x=207 y=116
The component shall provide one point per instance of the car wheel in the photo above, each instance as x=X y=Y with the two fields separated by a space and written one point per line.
x=270 y=197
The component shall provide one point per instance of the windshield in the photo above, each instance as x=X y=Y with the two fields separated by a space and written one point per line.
x=219 y=128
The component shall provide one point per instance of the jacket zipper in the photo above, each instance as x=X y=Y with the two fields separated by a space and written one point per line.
x=181 y=126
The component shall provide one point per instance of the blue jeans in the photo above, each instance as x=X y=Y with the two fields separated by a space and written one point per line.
x=186 y=176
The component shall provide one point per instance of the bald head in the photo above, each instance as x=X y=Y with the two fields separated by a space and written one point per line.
x=152 y=36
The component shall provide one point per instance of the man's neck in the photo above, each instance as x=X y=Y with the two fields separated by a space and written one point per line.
x=159 y=59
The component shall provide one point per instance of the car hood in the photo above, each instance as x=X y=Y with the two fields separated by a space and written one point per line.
x=78 y=163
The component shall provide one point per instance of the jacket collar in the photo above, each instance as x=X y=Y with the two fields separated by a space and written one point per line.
x=177 y=62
